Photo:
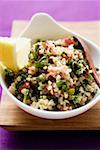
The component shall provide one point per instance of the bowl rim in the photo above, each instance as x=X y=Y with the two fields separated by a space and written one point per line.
x=59 y=25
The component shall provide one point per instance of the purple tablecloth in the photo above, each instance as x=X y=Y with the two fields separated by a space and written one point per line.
x=65 y=10
x=49 y=140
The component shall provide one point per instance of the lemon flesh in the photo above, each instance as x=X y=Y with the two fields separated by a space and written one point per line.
x=8 y=53
x=14 y=52
x=23 y=47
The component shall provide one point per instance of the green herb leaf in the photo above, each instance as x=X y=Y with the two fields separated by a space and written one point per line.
x=9 y=76
x=40 y=40
x=62 y=85
x=97 y=69
x=35 y=54
x=85 y=82
x=42 y=62
x=41 y=77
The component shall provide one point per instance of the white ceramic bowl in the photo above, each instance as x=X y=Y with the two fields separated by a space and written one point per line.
x=44 y=26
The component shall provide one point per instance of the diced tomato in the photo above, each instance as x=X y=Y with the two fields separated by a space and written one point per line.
x=87 y=71
x=50 y=49
x=25 y=85
x=51 y=73
x=52 y=92
x=65 y=56
x=69 y=55
x=51 y=70
x=78 y=55
x=46 y=46
x=68 y=41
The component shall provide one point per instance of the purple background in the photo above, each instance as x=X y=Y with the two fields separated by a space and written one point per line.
x=65 y=10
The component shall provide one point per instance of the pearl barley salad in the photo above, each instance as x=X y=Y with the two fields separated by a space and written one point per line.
x=56 y=78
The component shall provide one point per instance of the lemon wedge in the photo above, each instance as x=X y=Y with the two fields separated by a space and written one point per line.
x=23 y=47
x=14 y=52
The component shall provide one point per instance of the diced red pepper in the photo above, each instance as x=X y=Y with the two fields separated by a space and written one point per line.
x=68 y=41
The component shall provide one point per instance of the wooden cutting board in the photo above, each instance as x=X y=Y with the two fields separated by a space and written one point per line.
x=13 y=118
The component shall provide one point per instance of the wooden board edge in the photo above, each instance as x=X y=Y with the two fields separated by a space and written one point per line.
x=26 y=128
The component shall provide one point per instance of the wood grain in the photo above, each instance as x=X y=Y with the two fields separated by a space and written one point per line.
x=13 y=118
